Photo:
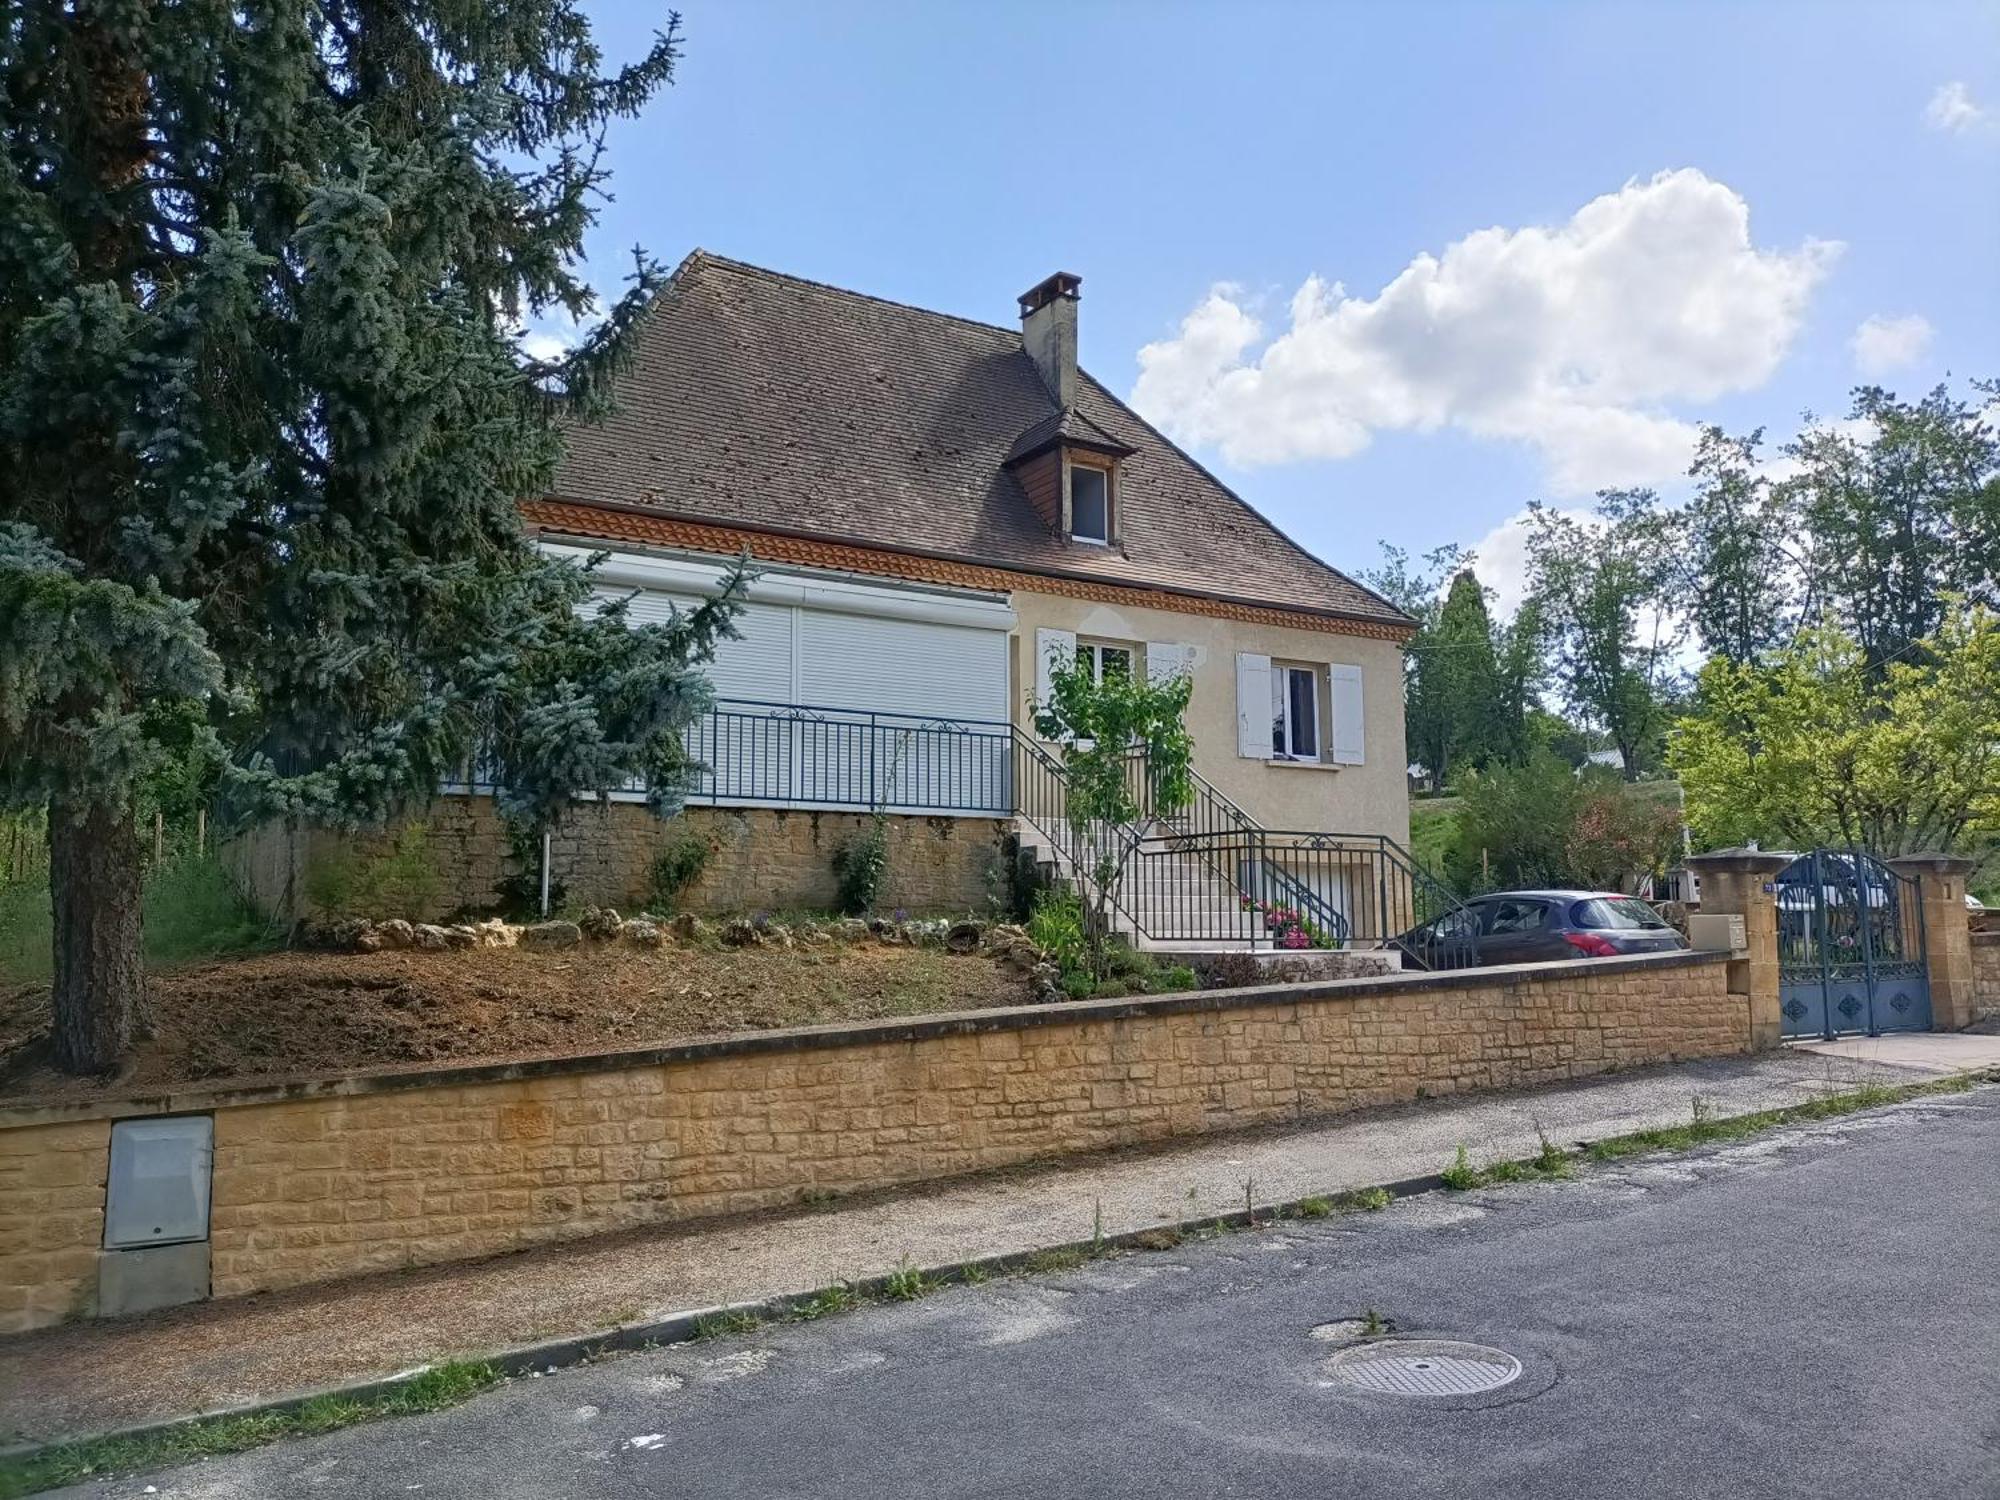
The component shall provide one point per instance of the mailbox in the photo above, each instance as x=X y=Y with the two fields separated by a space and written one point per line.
x=1718 y=932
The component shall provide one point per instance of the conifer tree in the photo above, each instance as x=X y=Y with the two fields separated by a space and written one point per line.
x=264 y=423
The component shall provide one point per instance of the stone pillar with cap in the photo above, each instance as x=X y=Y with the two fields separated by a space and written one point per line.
x=1940 y=882
x=1739 y=882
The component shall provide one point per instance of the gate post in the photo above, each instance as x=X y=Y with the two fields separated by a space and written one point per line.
x=1737 y=882
x=1947 y=935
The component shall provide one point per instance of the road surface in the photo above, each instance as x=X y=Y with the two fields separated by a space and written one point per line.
x=1811 y=1313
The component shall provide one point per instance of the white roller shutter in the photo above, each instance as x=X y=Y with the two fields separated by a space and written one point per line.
x=757 y=667
x=1253 y=706
x=902 y=666
x=1350 y=725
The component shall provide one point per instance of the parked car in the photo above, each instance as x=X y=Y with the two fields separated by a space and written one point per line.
x=1522 y=927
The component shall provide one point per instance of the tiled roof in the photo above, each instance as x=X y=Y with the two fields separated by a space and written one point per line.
x=757 y=399
x=1068 y=425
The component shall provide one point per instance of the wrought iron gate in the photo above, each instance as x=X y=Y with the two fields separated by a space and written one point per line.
x=1850 y=947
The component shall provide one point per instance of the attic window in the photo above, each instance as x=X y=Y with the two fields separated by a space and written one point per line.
x=1089 y=505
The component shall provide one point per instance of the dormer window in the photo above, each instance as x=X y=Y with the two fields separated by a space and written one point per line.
x=1089 y=504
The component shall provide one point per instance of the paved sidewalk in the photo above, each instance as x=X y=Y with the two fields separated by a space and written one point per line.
x=1929 y=1051
x=94 y=1377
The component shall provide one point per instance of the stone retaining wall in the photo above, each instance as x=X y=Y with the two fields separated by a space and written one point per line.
x=768 y=859
x=1985 y=976
x=326 y=1178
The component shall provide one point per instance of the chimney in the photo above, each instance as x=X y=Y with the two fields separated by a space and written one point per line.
x=1048 y=329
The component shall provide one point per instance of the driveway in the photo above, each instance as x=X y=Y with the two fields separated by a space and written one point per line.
x=1810 y=1312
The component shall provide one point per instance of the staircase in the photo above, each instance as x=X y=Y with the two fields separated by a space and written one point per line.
x=1199 y=880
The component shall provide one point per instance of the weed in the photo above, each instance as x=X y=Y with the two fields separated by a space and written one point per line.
x=905 y=1284
x=839 y=1298
x=1366 y=1200
x=722 y=1324
x=1042 y=1261
x=1703 y=1110
x=1097 y=1228
x=974 y=1274
x=1373 y=1324
x=1315 y=1208
x=677 y=866
x=1159 y=1239
x=861 y=864
x=441 y=1386
x=1550 y=1159
x=1502 y=1171
x=1461 y=1174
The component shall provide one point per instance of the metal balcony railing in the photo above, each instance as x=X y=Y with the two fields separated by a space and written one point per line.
x=760 y=754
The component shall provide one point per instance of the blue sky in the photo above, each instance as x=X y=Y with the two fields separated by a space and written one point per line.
x=1834 y=164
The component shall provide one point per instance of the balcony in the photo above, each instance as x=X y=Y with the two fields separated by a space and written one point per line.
x=759 y=754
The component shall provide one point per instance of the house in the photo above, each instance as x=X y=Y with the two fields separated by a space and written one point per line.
x=937 y=509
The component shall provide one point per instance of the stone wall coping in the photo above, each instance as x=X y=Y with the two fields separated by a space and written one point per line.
x=1740 y=861
x=835 y=1034
x=1986 y=939
x=1934 y=864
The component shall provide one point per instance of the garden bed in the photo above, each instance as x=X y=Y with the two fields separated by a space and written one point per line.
x=287 y=1013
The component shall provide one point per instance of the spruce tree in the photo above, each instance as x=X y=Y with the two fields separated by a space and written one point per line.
x=264 y=423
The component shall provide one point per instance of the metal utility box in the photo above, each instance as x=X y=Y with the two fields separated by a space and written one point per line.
x=158 y=1188
x=1718 y=932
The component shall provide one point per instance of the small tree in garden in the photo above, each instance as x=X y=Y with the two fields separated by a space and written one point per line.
x=1104 y=725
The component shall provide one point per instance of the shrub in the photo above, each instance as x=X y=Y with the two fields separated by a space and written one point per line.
x=677 y=866
x=860 y=865
x=399 y=881
x=1055 y=925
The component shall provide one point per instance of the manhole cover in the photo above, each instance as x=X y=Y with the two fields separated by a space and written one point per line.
x=1424 y=1367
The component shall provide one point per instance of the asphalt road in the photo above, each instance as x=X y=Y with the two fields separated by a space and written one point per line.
x=1812 y=1313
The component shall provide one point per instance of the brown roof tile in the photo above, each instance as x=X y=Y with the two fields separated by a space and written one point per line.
x=760 y=399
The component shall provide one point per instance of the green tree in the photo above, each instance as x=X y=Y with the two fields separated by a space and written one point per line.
x=1468 y=681
x=264 y=424
x=1817 y=746
x=1606 y=585
x=1103 y=726
x=1744 y=567
x=1513 y=825
x=1902 y=508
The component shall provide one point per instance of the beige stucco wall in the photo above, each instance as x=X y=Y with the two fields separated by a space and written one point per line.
x=1371 y=798
x=375 y=1173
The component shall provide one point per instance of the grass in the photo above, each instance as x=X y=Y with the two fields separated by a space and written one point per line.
x=192 y=907
x=1704 y=1129
x=441 y=1386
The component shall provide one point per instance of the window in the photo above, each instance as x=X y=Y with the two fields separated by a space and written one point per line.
x=1294 y=713
x=1089 y=504
x=1517 y=916
x=1617 y=913
x=1102 y=660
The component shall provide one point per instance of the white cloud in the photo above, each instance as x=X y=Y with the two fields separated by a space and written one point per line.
x=1952 y=109
x=1573 y=338
x=1883 y=344
x=1500 y=559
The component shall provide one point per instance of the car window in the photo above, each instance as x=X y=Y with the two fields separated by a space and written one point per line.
x=1517 y=916
x=1617 y=913
x=1454 y=924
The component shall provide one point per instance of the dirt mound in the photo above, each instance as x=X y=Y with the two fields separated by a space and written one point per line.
x=281 y=1014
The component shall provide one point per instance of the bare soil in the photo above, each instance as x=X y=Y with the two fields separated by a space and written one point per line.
x=290 y=1013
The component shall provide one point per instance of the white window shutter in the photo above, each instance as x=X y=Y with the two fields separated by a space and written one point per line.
x=1165 y=660
x=1253 y=706
x=1350 y=724
x=1050 y=644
